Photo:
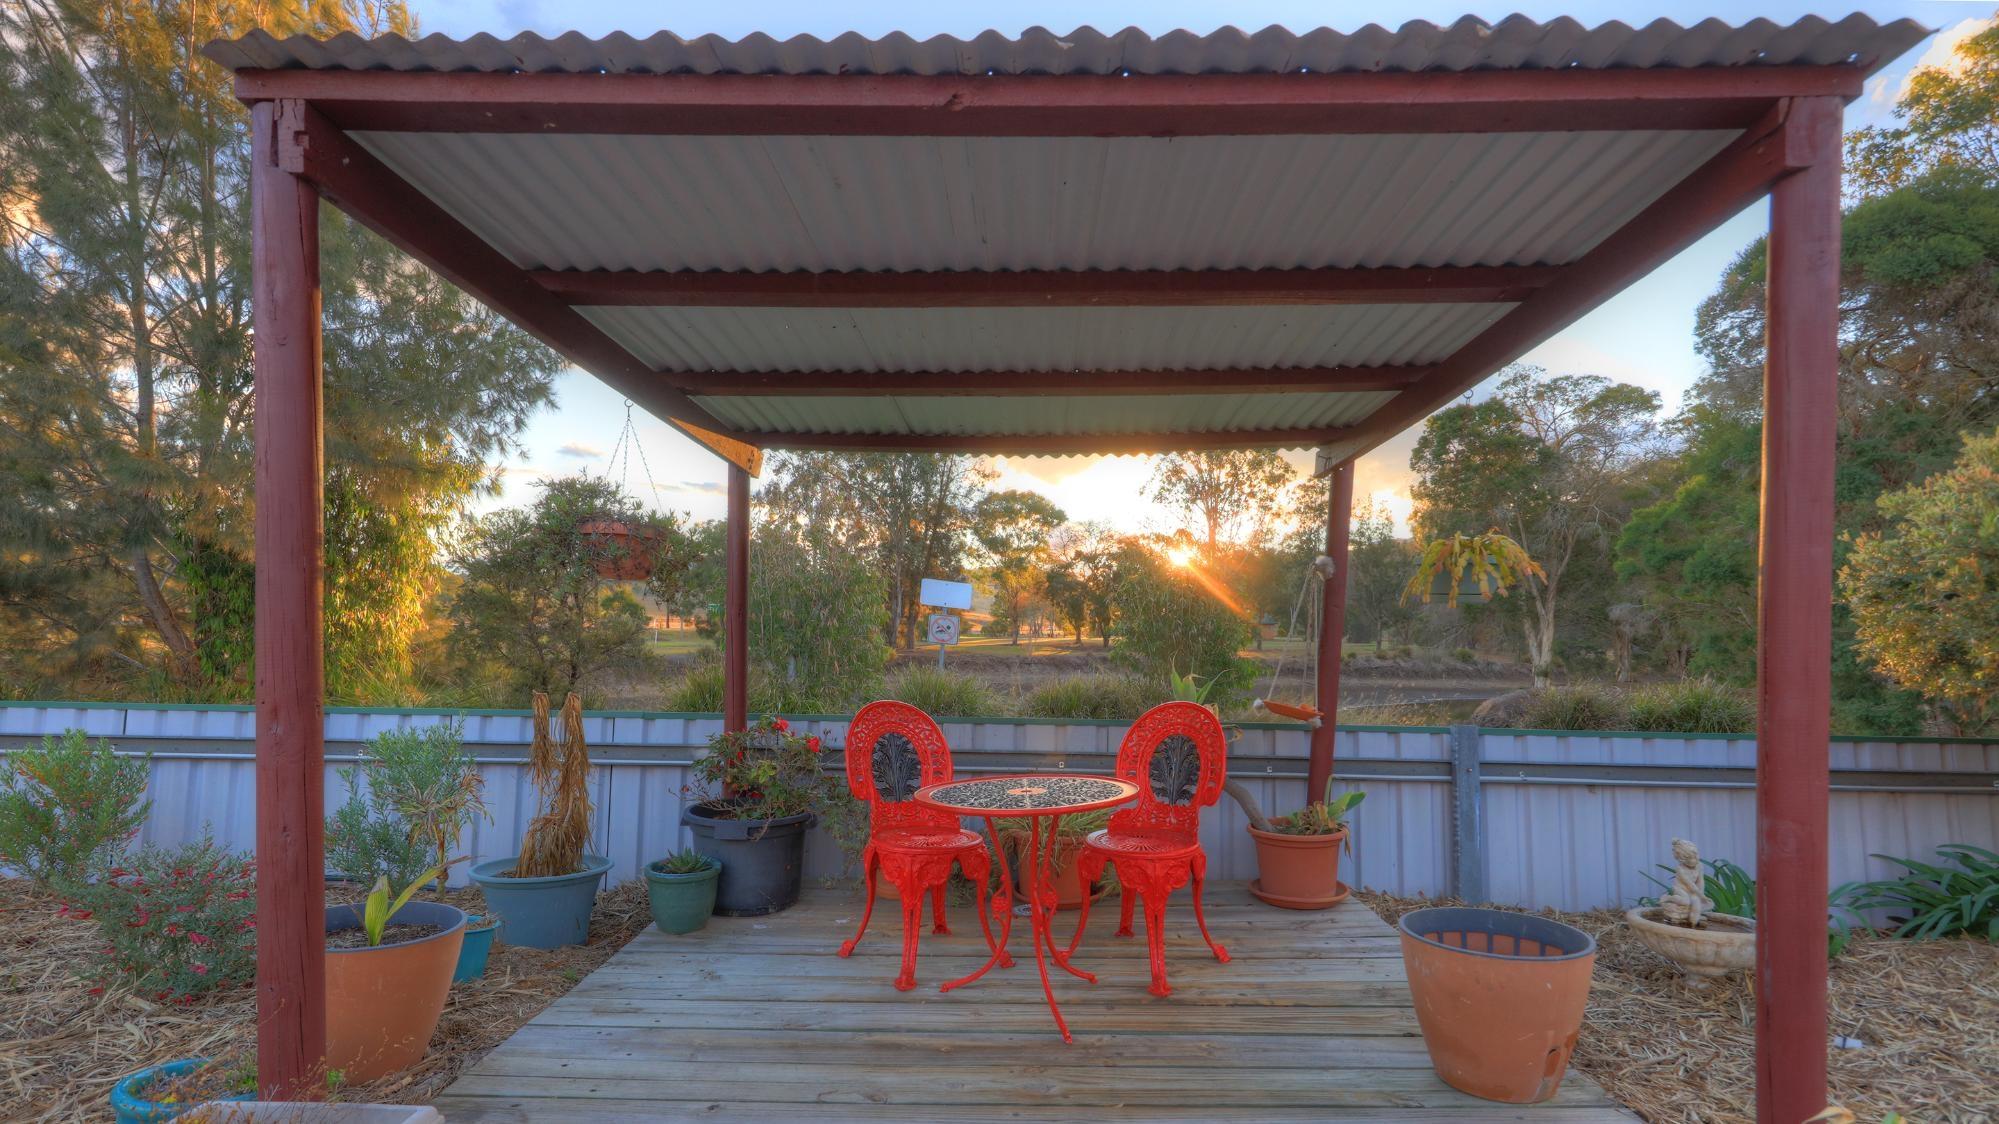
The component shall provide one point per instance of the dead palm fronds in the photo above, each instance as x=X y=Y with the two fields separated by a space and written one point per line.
x=554 y=840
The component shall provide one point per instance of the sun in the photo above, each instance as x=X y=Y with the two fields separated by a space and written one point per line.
x=1182 y=556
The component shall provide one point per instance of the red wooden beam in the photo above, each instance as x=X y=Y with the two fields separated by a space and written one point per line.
x=1731 y=180
x=351 y=178
x=1074 y=384
x=1794 y=624
x=1052 y=105
x=736 y=604
x=1033 y=288
x=291 y=895
x=1050 y=445
x=1332 y=632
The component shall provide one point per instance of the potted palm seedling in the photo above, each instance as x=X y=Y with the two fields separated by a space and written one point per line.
x=545 y=893
x=388 y=970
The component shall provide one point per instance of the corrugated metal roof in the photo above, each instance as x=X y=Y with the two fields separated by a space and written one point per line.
x=905 y=203
x=1041 y=339
x=1046 y=414
x=1468 y=44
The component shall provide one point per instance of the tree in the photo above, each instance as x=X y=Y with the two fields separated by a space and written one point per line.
x=533 y=611
x=125 y=368
x=1950 y=120
x=1082 y=577
x=1012 y=529
x=1547 y=461
x=1924 y=592
x=1171 y=621
x=1378 y=565
x=1231 y=494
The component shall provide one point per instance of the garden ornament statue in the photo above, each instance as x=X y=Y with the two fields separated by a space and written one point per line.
x=1687 y=904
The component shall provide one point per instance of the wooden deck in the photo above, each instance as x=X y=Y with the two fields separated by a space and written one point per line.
x=757 y=1019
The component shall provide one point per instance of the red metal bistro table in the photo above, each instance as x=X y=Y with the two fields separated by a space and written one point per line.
x=1034 y=797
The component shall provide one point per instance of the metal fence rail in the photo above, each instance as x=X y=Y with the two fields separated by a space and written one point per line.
x=1569 y=820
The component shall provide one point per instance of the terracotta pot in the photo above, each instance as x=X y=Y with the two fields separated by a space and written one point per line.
x=382 y=1003
x=1068 y=881
x=1298 y=871
x=1727 y=945
x=625 y=552
x=1499 y=997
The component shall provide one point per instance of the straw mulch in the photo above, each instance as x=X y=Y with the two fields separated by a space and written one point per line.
x=1926 y=1011
x=62 y=1048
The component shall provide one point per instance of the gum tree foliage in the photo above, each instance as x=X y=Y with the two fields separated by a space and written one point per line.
x=1948 y=118
x=818 y=617
x=1226 y=495
x=125 y=372
x=1924 y=589
x=1378 y=565
x=531 y=611
x=1547 y=460
x=1082 y=576
x=1168 y=621
x=1012 y=529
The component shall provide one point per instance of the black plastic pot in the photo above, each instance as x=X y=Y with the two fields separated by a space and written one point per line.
x=763 y=861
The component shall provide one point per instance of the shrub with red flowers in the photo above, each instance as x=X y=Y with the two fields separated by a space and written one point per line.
x=763 y=773
x=177 y=921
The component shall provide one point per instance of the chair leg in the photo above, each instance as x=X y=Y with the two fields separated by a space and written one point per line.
x=937 y=910
x=1089 y=867
x=1125 y=902
x=870 y=870
x=1155 y=941
x=978 y=870
x=912 y=928
x=1200 y=876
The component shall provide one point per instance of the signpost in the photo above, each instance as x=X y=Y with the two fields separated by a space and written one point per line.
x=943 y=627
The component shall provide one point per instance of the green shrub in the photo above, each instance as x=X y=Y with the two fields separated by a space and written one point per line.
x=430 y=782
x=1692 y=706
x=1093 y=696
x=1586 y=706
x=178 y=921
x=941 y=693
x=68 y=805
x=1959 y=897
x=1464 y=655
x=367 y=839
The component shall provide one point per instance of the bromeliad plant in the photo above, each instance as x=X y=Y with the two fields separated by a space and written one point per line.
x=1491 y=563
x=1959 y=897
x=763 y=773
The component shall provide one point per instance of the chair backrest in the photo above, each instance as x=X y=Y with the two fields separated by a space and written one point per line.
x=893 y=749
x=1177 y=755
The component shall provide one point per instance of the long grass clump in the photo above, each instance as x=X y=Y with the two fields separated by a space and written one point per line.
x=1584 y=706
x=1093 y=696
x=942 y=693
x=1692 y=706
x=553 y=843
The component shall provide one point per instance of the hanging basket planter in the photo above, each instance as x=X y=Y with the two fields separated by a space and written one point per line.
x=1468 y=593
x=622 y=551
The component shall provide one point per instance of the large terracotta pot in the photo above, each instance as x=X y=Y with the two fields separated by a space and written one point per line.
x=383 y=1003
x=1068 y=881
x=1499 y=997
x=1298 y=871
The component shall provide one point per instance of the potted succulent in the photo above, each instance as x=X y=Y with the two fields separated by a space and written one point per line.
x=681 y=890
x=1470 y=568
x=1685 y=927
x=388 y=970
x=759 y=790
x=1298 y=856
x=163 y=1092
x=545 y=893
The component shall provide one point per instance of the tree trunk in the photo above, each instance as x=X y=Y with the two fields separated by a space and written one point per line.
x=161 y=613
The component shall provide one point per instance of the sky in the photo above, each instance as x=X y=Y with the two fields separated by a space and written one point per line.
x=1644 y=335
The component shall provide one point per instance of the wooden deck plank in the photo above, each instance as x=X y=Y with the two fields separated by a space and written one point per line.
x=755 y=1018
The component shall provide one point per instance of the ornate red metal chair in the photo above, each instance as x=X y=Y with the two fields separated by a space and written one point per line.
x=893 y=749
x=1176 y=753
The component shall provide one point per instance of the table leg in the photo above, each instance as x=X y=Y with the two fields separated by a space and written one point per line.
x=1060 y=955
x=1001 y=907
x=1037 y=915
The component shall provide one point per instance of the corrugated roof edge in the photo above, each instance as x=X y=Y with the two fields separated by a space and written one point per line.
x=1514 y=43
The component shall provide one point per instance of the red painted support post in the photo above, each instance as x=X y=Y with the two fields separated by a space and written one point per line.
x=1332 y=629
x=291 y=907
x=1794 y=637
x=736 y=606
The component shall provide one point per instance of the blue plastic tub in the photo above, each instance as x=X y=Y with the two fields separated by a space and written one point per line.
x=478 y=944
x=542 y=912
x=128 y=1097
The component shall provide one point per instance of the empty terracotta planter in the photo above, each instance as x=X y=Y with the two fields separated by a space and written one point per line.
x=383 y=1003
x=1499 y=997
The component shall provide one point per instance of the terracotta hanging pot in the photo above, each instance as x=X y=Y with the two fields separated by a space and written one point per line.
x=624 y=551
x=1499 y=997
x=1298 y=871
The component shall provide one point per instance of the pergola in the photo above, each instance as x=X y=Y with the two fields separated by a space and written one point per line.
x=1060 y=245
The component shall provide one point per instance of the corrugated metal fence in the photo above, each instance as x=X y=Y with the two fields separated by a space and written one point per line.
x=1540 y=819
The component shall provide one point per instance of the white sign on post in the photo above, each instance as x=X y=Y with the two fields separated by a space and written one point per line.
x=940 y=594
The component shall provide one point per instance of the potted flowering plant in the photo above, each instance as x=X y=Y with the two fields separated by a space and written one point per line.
x=758 y=791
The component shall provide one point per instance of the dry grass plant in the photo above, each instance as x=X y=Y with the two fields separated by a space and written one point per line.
x=554 y=841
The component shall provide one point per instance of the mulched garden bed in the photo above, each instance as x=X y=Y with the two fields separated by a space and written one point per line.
x=62 y=1047
x=1927 y=1013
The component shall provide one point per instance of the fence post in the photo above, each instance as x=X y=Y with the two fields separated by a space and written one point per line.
x=1467 y=824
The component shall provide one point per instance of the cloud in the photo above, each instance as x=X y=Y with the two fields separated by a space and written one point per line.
x=1942 y=54
x=703 y=487
x=579 y=449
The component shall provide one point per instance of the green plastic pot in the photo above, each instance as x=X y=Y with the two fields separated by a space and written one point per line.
x=682 y=903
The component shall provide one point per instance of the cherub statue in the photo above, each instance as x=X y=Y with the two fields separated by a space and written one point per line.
x=1687 y=904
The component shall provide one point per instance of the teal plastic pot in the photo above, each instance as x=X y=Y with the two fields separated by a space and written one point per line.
x=478 y=945
x=551 y=912
x=128 y=1097
x=682 y=903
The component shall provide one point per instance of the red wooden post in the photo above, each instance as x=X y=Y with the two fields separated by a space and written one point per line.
x=1332 y=630
x=291 y=946
x=1794 y=637
x=736 y=606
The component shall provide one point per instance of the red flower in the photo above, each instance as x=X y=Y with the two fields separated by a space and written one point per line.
x=199 y=969
x=781 y=725
x=812 y=743
x=96 y=991
x=200 y=938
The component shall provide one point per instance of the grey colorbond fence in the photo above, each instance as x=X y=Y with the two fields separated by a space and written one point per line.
x=1569 y=820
